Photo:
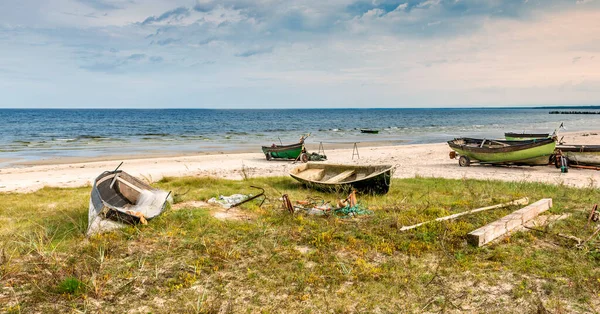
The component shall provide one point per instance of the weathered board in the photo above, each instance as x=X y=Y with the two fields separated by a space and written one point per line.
x=508 y=223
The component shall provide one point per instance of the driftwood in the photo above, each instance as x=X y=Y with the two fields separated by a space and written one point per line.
x=522 y=201
x=590 y=237
x=561 y=235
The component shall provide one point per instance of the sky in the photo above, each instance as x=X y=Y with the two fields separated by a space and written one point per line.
x=298 y=54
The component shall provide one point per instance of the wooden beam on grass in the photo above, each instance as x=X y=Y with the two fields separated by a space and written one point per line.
x=508 y=223
x=522 y=201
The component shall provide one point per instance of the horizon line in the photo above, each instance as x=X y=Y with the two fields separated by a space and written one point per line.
x=302 y=108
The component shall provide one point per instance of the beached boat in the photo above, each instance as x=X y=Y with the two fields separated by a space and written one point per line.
x=581 y=154
x=531 y=152
x=118 y=198
x=342 y=178
x=370 y=131
x=509 y=136
x=284 y=151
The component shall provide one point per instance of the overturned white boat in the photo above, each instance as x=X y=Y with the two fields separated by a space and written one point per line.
x=118 y=199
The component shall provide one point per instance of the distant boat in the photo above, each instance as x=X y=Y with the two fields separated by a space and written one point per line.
x=342 y=178
x=510 y=136
x=581 y=154
x=370 y=131
x=119 y=198
x=527 y=152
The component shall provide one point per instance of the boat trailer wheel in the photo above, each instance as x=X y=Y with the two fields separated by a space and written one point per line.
x=268 y=155
x=304 y=157
x=464 y=161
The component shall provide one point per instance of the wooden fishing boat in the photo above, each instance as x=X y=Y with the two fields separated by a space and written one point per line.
x=284 y=151
x=370 y=131
x=118 y=198
x=530 y=152
x=524 y=136
x=580 y=154
x=343 y=178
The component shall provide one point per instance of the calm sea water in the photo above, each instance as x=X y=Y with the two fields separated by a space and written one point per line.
x=33 y=134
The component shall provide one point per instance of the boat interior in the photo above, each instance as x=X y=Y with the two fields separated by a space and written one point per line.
x=333 y=174
x=484 y=143
x=120 y=189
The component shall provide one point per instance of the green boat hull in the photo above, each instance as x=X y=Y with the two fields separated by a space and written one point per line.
x=533 y=152
x=524 y=136
x=283 y=151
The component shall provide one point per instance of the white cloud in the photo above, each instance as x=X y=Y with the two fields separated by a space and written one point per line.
x=277 y=53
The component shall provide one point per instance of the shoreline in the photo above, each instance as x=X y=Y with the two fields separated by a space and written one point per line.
x=6 y=163
x=425 y=160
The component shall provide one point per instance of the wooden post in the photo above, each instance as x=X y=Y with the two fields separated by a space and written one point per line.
x=508 y=223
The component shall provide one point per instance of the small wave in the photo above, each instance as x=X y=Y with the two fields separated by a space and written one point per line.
x=236 y=133
x=21 y=142
x=153 y=134
x=91 y=137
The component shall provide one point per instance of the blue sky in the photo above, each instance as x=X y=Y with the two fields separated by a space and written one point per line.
x=297 y=54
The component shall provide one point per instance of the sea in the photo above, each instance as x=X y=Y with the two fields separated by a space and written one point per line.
x=39 y=134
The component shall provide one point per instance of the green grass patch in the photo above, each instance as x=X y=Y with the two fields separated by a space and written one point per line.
x=188 y=261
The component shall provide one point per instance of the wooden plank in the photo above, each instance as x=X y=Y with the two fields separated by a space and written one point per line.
x=130 y=185
x=522 y=201
x=312 y=174
x=340 y=177
x=508 y=223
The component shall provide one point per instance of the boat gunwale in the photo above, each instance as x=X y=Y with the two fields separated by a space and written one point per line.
x=579 y=148
x=525 y=135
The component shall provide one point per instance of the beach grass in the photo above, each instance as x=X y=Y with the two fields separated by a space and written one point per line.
x=267 y=260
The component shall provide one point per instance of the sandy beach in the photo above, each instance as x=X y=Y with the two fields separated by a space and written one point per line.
x=426 y=160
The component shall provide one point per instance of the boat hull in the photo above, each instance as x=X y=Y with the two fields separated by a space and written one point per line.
x=581 y=154
x=283 y=151
x=366 y=179
x=118 y=198
x=369 y=131
x=525 y=136
x=533 y=152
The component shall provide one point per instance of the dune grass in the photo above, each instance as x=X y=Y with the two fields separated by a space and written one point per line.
x=188 y=261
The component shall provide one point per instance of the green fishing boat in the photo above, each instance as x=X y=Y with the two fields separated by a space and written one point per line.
x=509 y=136
x=581 y=154
x=284 y=151
x=530 y=152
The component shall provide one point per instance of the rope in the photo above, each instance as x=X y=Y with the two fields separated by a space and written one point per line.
x=350 y=211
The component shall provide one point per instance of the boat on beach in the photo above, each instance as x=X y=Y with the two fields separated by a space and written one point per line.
x=374 y=179
x=528 y=152
x=118 y=198
x=369 y=131
x=580 y=154
x=510 y=136
x=286 y=151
